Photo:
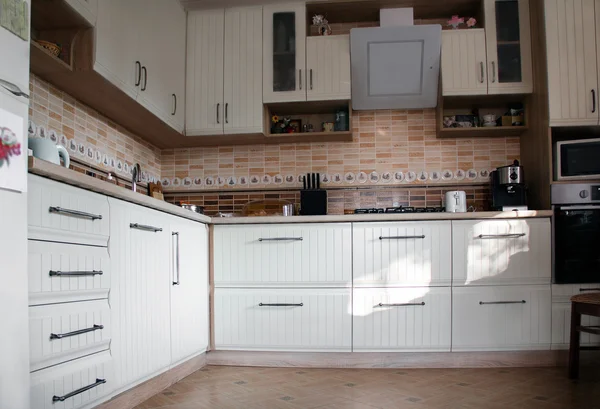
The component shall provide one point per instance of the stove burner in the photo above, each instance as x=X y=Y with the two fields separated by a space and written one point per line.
x=400 y=209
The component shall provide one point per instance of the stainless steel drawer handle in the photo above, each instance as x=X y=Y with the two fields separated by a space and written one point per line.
x=144 y=227
x=401 y=237
x=57 y=273
x=501 y=302
x=281 y=239
x=78 y=391
x=281 y=305
x=589 y=289
x=76 y=213
x=78 y=332
x=401 y=305
x=501 y=236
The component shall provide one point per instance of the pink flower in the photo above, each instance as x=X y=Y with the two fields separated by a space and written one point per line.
x=455 y=21
x=471 y=22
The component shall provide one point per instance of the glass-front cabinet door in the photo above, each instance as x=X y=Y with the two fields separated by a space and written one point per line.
x=508 y=35
x=284 y=52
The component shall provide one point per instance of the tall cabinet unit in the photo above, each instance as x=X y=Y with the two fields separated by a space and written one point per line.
x=224 y=72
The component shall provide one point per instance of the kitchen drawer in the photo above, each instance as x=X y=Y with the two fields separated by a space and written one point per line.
x=561 y=327
x=501 y=318
x=47 y=259
x=564 y=292
x=507 y=252
x=308 y=320
x=66 y=381
x=63 y=213
x=63 y=332
x=283 y=255
x=402 y=254
x=402 y=319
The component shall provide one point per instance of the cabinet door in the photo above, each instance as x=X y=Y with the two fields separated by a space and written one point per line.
x=284 y=36
x=243 y=70
x=561 y=315
x=88 y=9
x=140 y=292
x=501 y=318
x=508 y=35
x=189 y=288
x=572 y=65
x=118 y=29
x=464 y=63
x=204 y=96
x=14 y=47
x=174 y=66
x=328 y=67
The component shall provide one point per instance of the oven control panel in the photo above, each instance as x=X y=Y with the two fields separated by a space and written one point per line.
x=595 y=192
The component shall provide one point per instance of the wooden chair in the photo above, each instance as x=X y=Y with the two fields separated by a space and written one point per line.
x=588 y=304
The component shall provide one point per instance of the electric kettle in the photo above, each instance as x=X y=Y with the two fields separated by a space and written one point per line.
x=456 y=201
x=46 y=149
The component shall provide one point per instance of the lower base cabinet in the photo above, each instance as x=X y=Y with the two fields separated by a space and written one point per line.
x=402 y=319
x=283 y=319
x=561 y=315
x=501 y=318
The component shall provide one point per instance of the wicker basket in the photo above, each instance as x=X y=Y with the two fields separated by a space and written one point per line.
x=53 y=48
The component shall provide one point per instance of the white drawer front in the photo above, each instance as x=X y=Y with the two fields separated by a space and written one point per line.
x=501 y=252
x=402 y=319
x=495 y=318
x=562 y=293
x=57 y=333
x=61 y=224
x=309 y=255
x=402 y=254
x=61 y=380
x=322 y=323
x=561 y=327
x=63 y=259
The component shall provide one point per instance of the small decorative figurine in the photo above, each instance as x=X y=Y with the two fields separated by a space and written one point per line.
x=322 y=24
x=456 y=21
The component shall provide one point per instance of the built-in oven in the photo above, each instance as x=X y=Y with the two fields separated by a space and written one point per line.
x=576 y=236
x=578 y=159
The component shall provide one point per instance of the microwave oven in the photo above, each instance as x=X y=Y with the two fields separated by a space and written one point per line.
x=578 y=159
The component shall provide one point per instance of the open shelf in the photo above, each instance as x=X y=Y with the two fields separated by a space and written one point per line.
x=43 y=62
x=482 y=132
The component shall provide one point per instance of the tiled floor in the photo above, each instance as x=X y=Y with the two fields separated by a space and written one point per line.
x=222 y=387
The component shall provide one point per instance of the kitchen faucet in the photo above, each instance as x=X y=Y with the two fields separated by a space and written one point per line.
x=136 y=176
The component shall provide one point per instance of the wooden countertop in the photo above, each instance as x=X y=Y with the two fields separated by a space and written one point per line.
x=61 y=174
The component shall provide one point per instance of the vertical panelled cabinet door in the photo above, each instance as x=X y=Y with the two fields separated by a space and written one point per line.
x=572 y=61
x=464 y=62
x=204 y=78
x=328 y=67
x=17 y=71
x=284 y=52
x=508 y=37
x=189 y=288
x=243 y=109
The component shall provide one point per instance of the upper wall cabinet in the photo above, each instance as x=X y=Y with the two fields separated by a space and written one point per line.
x=88 y=9
x=508 y=38
x=224 y=72
x=328 y=67
x=571 y=36
x=464 y=62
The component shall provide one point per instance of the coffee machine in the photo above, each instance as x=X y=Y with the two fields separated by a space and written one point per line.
x=508 y=188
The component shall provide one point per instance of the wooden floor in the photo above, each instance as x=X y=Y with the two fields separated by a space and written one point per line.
x=222 y=387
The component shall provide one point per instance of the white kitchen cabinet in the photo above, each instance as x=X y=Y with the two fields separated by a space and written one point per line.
x=283 y=255
x=283 y=319
x=504 y=252
x=497 y=318
x=140 y=247
x=189 y=288
x=508 y=40
x=572 y=56
x=284 y=52
x=17 y=72
x=204 y=97
x=561 y=315
x=402 y=319
x=67 y=380
x=66 y=331
x=464 y=62
x=328 y=68
x=88 y=9
x=402 y=254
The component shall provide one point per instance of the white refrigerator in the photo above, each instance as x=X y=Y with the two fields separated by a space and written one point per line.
x=14 y=319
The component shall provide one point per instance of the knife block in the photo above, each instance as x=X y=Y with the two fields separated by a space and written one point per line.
x=313 y=202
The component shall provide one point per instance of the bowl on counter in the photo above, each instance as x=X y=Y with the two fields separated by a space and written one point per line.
x=268 y=207
x=193 y=208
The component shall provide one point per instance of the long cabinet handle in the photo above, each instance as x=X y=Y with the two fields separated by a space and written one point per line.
x=78 y=332
x=177 y=282
x=226 y=112
x=281 y=305
x=57 y=273
x=76 y=213
x=311 y=81
x=13 y=89
x=593 y=100
x=501 y=302
x=144 y=227
x=145 y=71
x=300 y=77
x=493 y=71
x=481 y=70
x=218 y=105
x=138 y=81
x=501 y=236
x=78 y=391
x=174 y=104
x=401 y=305
x=281 y=239
x=401 y=237
x=589 y=289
